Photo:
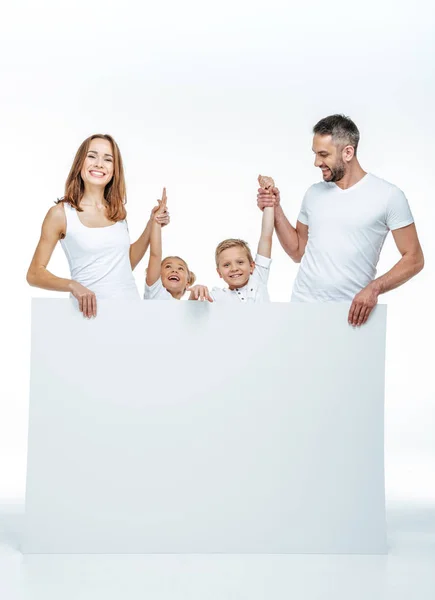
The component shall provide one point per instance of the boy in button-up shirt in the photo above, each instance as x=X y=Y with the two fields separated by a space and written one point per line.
x=246 y=278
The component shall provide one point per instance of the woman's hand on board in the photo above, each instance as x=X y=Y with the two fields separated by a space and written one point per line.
x=86 y=299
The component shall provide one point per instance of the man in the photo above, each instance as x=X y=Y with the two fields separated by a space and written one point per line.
x=342 y=226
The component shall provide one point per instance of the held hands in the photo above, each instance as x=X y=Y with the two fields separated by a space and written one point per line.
x=362 y=305
x=160 y=213
x=199 y=292
x=86 y=299
x=267 y=198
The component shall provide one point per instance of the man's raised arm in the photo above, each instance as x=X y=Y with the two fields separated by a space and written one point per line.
x=293 y=240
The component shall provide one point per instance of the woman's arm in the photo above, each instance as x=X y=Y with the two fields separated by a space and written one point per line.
x=53 y=229
x=140 y=246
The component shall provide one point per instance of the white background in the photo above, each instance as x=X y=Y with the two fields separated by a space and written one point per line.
x=202 y=97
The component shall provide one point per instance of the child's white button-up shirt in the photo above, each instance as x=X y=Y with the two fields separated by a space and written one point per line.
x=254 y=291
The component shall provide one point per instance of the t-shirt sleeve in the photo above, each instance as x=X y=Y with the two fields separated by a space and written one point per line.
x=303 y=213
x=398 y=211
x=156 y=291
x=262 y=269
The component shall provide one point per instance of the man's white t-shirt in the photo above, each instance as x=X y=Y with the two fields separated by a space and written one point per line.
x=346 y=232
x=254 y=291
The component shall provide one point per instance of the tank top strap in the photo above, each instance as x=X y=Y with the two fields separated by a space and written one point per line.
x=71 y=216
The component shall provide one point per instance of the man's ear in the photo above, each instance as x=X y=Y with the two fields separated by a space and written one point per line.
x=218 y=272
x=348 y=153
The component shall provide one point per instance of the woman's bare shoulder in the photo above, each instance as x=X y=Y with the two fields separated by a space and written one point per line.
x=55 y=217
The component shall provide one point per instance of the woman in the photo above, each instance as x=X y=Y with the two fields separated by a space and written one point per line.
x=90 y=223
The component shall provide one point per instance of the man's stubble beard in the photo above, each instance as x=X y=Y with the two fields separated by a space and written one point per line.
x=338 y=172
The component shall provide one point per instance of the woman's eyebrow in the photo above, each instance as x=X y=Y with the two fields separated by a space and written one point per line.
x=96 y=152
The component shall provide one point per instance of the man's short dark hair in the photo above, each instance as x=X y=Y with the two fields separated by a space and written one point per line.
x=342 y=130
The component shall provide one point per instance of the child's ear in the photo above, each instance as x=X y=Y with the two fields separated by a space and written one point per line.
x=218 y=272
x=252 y=267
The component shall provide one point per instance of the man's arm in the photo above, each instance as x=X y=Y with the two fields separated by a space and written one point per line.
x=411 y=263
x=293 y=240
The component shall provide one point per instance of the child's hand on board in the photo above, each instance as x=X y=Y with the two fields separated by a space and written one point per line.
x=160 y=213
x=199 y=292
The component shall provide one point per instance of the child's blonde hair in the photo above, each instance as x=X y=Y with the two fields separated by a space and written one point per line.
x=191 y=275
x=232 y=243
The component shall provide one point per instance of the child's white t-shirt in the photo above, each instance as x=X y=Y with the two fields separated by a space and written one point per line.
x=157 y=292
x=254 y=291
x=346 y=232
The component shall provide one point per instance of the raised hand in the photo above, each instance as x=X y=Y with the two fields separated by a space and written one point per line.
x=160 y=213
x=164 y=199
x=269 y=197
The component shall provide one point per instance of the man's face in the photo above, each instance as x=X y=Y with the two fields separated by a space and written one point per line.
x=329 y=158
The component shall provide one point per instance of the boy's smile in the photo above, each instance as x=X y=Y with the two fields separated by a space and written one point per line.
x=234 y=267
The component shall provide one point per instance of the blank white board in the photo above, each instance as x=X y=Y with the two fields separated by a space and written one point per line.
x=164 y=427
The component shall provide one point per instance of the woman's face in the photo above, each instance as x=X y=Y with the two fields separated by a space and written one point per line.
x=97 y=169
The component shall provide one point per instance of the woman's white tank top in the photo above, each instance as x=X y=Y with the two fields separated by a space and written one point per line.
x=99 y=257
